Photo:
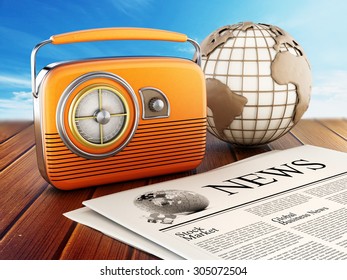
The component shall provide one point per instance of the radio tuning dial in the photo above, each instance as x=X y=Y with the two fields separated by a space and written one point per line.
x=156 y=105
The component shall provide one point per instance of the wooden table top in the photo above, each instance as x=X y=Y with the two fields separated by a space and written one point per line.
x=32 y=225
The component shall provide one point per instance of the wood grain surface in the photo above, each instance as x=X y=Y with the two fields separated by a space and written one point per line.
x=32 y=225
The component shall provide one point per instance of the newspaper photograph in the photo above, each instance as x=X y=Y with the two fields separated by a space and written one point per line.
x=282 y=205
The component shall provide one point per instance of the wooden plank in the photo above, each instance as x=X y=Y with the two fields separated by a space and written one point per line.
x=242 y=152
x=218 y=153
x=15 y=146
x=21 y=183
x=313 y=133
x=140 y=255
x=97 y=246
x=92 y=247
x=118 y=187
x=338 y=126
x=11 y=128
x=42 y=231
x=285 y=142
x=88 y=243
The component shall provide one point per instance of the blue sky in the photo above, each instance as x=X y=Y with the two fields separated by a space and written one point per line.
x=319 y=26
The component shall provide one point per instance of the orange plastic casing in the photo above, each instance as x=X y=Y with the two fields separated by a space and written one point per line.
x=159 y=145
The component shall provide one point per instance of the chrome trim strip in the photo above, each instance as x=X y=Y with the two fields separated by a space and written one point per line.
x=34 y=89
x=197 y=50
x=61 y=109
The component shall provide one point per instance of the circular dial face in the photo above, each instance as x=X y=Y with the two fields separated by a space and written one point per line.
x=100 y=115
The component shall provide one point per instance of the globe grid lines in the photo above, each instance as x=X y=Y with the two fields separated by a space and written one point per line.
x=273 y=97
x=253 y=128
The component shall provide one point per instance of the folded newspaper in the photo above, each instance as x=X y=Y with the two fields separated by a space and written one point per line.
x=281 y=205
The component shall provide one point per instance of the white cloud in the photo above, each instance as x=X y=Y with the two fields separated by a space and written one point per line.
x=188 y=49
x=130 y=7
x=329 y=96
x=331 y=85
x=333 y=108
x=23 y=96
x=17 y=36
x=15 y=81
x=18 y=107
x=19 y=104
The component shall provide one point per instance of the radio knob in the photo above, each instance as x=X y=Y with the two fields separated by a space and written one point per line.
x=156 y=105
x=102 y=117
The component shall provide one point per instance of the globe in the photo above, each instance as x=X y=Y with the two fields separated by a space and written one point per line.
x=171 y=202
x=165 y=205
x=258 y=82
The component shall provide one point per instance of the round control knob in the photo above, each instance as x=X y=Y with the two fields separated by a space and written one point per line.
x=156 y=105
x=103 y=117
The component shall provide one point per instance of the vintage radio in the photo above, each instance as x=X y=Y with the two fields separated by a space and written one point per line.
x=105 y=120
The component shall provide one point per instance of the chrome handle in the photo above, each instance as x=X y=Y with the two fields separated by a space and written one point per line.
x=34 y=89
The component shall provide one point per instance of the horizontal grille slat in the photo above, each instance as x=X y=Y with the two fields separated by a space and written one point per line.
x=144 y=140
x=156 y=161
x=63 y=161
x=132 y=168
x=153 y=145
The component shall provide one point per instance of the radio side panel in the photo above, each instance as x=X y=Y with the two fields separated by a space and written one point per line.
x=39 y=139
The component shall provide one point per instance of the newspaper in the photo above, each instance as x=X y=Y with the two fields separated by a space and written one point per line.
x=285 y=205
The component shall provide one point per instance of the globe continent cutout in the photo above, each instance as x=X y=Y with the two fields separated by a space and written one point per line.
x=224 y=104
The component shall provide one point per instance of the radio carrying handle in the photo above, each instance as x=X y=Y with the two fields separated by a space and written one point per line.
x=104 y=34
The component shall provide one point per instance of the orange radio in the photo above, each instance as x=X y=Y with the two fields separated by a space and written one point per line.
x=105 y=120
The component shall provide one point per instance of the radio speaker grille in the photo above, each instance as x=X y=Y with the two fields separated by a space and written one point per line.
x=153 y=145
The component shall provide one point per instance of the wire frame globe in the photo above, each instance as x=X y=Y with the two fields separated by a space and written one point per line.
x=265 y=67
